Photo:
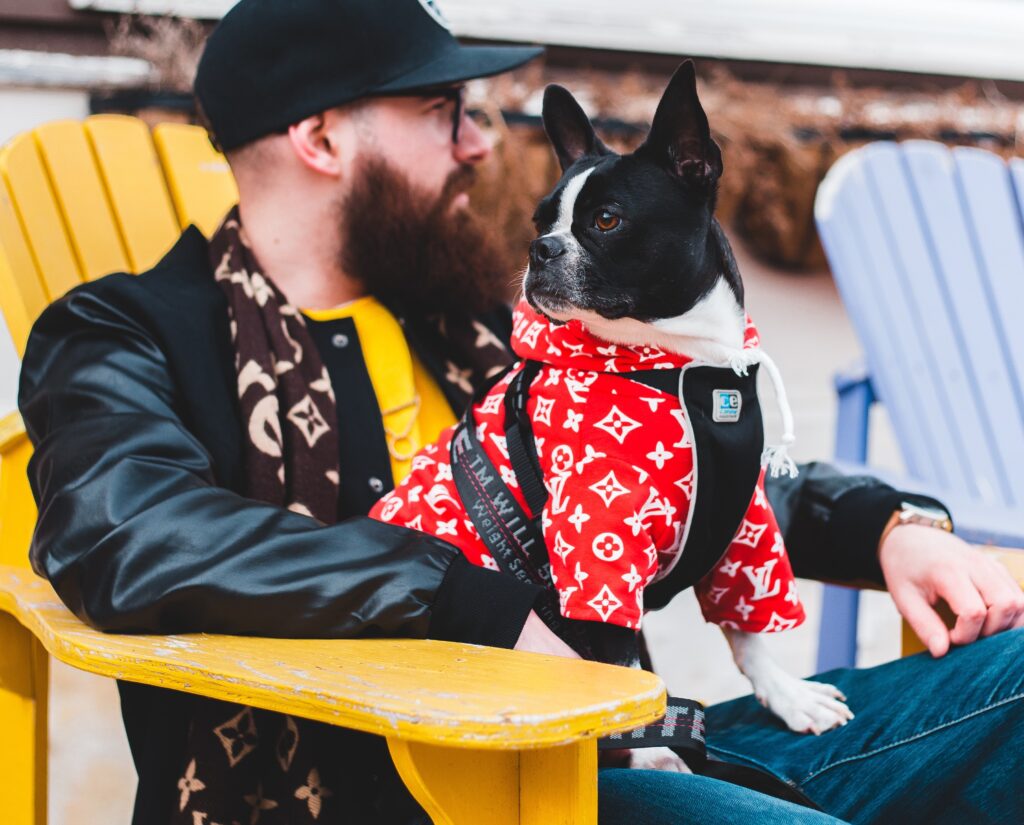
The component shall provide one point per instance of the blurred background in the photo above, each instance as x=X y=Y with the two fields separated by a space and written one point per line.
x=789 y=86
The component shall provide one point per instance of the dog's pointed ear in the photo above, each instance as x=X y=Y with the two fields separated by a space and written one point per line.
x=568 y=127
x=680 y=138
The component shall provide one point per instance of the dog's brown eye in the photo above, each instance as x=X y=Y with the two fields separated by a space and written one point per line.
x=605 y=220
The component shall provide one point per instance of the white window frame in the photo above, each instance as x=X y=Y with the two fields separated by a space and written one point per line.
x=964 y=38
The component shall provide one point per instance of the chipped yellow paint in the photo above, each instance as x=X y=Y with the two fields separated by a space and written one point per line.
x=423 y=691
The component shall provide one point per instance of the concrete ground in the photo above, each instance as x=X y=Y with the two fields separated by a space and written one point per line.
x=805 y=329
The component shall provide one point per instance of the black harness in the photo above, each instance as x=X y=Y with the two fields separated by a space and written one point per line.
x=727 y=464
x=728 y=460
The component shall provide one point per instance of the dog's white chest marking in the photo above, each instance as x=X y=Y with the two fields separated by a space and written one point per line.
x=712 y=331
x=715 y=324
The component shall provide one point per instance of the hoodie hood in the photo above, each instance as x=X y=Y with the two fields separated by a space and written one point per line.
x=572 y=345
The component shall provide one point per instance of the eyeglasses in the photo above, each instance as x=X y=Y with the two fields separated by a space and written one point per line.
x=457 y=96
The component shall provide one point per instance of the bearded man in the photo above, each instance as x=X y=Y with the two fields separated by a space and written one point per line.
x=210 y=434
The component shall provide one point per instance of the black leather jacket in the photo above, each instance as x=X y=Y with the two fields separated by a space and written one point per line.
x=128 y=393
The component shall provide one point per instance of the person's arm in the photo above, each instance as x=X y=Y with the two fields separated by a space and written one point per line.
x=135 y=534
x=832 y=523
x=835 y=527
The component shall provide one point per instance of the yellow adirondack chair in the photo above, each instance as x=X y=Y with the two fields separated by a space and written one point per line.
x=478 y=734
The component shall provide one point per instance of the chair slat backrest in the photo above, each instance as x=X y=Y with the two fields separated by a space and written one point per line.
x=135 y=186
x=78 y=189
x=923 y=280
x=41 y=221
x=202 y=186
x=866 y=267
x=80 y=200
x=22 y=296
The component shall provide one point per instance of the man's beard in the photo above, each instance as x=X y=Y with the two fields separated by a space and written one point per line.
x=411 y=249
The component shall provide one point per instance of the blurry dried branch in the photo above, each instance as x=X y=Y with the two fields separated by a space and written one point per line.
x=171 y=44
x=777 y=141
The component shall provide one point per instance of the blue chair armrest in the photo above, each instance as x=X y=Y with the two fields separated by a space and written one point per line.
x=973 y=521
x=856 y=395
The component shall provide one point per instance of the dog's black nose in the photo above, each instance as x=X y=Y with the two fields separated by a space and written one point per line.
x=546 y=249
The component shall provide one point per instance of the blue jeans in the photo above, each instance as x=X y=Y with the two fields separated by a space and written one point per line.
x=933 y=741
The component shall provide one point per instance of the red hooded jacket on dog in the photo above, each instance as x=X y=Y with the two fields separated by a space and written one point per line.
x=618 y=466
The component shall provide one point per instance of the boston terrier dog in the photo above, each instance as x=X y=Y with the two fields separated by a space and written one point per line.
x=637 y=386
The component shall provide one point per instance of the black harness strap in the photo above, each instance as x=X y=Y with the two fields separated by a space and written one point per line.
x=513 y=539
x=522 y=449
x=681 y=728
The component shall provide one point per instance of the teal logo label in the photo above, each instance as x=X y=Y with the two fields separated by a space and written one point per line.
x=726 y=406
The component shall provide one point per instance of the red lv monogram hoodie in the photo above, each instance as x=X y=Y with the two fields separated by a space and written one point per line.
x=618 y=462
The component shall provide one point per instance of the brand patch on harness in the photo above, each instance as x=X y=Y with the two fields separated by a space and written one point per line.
x=726 y=406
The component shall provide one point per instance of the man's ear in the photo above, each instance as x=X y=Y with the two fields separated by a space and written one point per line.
x=680 y=138
x=569 y=128
x=315 y=142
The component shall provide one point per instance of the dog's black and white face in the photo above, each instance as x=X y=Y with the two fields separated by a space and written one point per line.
x=628 y=243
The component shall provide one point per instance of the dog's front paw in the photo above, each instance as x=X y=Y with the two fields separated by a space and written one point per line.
x=806 y=706
x=657 y=759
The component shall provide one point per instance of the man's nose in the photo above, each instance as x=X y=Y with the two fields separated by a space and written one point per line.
x=473 y=146
x=546 y=249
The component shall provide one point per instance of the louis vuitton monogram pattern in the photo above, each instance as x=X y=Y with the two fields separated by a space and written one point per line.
x=286 y=398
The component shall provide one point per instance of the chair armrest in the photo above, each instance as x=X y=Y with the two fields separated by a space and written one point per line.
x=973 y=521
x=855 y=394
x=852 y=379
x=419 y=691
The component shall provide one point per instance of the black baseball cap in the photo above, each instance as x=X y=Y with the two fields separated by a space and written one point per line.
x=271 y=63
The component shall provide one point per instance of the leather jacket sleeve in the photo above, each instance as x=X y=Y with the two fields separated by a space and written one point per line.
x=833 y=522
x=135 y=535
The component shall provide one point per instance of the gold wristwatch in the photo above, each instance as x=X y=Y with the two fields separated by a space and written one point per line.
x=925 y=515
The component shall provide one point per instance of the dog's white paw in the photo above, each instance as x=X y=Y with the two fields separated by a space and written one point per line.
x=657 y=759
x=805 y=706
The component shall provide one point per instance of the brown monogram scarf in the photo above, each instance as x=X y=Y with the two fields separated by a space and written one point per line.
x=242 y=764
x=291 y=455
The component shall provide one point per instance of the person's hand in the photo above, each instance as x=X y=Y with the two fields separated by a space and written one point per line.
x=537 y=637
x=923 y=565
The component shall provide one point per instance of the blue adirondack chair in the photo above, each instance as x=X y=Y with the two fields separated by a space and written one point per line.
x=926 y=244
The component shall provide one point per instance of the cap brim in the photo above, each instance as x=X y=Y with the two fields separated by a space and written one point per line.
x=462 y=63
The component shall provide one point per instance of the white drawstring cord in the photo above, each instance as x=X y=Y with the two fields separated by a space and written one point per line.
x=776 y=458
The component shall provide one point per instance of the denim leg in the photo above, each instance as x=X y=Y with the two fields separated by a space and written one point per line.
x=635 y=797
x=933 y=741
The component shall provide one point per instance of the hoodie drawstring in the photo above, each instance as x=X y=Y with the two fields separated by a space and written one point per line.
x=777 y=458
